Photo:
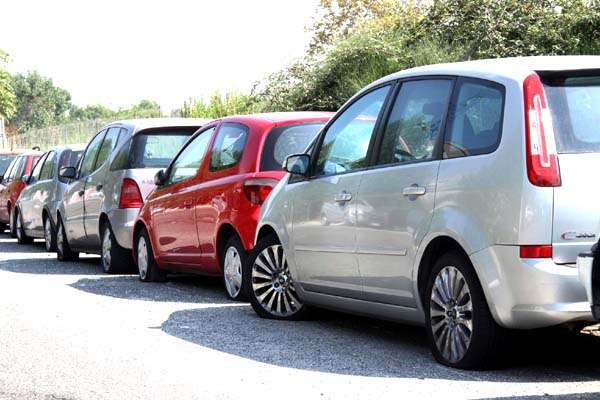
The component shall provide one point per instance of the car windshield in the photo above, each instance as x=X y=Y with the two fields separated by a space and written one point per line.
x=5 y=161
x=156 y=149
x=286 y=140
x=574 y=100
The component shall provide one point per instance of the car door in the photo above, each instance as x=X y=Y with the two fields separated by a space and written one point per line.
x=94 y=188
x=323 y=207
x=30 y=201
x=74 y=196
x=173 y=215
x=396 y=198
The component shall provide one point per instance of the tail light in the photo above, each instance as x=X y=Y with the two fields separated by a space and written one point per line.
x=131 y=197
x=542 y=251
x=257 y=190
x=542 y=160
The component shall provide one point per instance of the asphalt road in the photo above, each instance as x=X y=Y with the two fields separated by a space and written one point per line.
x=68 y=331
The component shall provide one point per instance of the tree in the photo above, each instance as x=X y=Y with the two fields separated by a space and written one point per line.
x=144 y=109
x=39 y=102
x=219 y=105
x=93 y=111
x=7 y=95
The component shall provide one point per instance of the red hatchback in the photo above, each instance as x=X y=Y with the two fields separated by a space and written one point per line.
x=202 y=216
x=12 y=183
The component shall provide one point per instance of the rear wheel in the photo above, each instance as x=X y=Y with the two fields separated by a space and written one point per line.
x=63 y=250
x=147 y=265
x=269 y=284
x=3 y=227
x=12 y=223
x=49 y=235
x=115 y=258
x=233 y=259
x=461 y=330
x=22 y=237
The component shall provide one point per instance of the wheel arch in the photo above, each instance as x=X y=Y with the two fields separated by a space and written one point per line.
x=225 y=231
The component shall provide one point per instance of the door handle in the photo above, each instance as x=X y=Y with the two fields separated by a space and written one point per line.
x=99 y=187
x=81 y=193
x=414 y=190
x=343 y=197
x=187 y=203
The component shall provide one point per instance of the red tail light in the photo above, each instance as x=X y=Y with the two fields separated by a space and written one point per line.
x=257 y=190
x=542 y=160
x=131 y=197
x=542 y=251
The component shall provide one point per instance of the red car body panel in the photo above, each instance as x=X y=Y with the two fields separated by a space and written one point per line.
x=185 y=220
x=10 y=192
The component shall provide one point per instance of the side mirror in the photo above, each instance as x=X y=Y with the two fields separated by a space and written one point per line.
x=67 y=173
x=1 y=178
x=160 y=178
x=297 y=164
x=25 y=178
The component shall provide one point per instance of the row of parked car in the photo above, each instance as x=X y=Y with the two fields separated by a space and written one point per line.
x=454 y=196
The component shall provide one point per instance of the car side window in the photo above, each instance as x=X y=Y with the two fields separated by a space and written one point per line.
x=187 y=163
x=110 y=140
x=49 y=167
x=229 y=146
x=35 y=174
x=346 y=142
x=9 y=169
x=89 y=157
x=415 y=122
x=475 y=120
x=18 y=169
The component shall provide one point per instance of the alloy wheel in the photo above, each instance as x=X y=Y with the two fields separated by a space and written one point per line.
x=272 y=283
x=48 y=234
x=451 y=314
x=59 y=239
x=142 y=257
x=233 y=272
x=18 y=226
x=106 y=248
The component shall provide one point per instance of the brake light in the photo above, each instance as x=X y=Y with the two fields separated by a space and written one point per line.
x=131 y=197
x=542 y=160
x=257 y=190
x=537 y=251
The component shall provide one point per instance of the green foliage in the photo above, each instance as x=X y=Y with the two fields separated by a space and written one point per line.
x=218 y=105
x=90 y=112
x=39 y=102
x=144 y=109
x=8 y=100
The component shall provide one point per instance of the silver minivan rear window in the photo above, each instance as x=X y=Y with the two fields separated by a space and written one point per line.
x=574 y=101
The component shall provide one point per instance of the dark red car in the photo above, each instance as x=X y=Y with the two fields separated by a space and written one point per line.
x=202 y=216
x=12 y=183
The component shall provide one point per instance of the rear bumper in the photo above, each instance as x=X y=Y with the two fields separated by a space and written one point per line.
x=121 y=222
x=530 y=293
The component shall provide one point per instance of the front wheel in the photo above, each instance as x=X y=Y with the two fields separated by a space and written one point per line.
x=269 y=284
x=12 y=223
x=147 y=265
x=22 y=237
x=49 y=235
x=63 y=250
x=461 y=330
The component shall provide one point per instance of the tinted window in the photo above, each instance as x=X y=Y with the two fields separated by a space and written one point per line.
x=90 y=155
x=415 y=123
x=475 y=121
x=9 y=170
x=574 y=101
x=19 y=168
x=188 y=162
x=284 y=141
x=347 y=140
x=35 y=174
x=229 y=146
x=49 y=167
x=110 y=140
x=154 y=149
x=69 y=158
x=5 y=161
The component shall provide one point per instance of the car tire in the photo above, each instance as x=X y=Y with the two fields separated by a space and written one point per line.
x=22 y=237
x=63 y=250
x=12 y=224
x=233 y=259
x=115 y=259
x=3 y=227
x=148 y=269
x=269 y=285
x=49 y=234
x=461 y=330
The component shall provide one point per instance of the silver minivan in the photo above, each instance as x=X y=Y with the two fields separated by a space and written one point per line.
x=36 y=208
x=110 y=183
x=454 y=196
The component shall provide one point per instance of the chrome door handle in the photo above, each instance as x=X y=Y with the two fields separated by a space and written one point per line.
x=81 y=193
x=414 y=191
x=187 y=204
x=343 y=197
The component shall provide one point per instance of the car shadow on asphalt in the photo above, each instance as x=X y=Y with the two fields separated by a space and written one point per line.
x=179 y=288
x=343 y=344
x=567 y=396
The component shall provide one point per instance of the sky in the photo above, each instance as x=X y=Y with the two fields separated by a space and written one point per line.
x=117 y=52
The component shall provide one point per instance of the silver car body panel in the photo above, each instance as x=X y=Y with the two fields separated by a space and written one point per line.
x=485 y=203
